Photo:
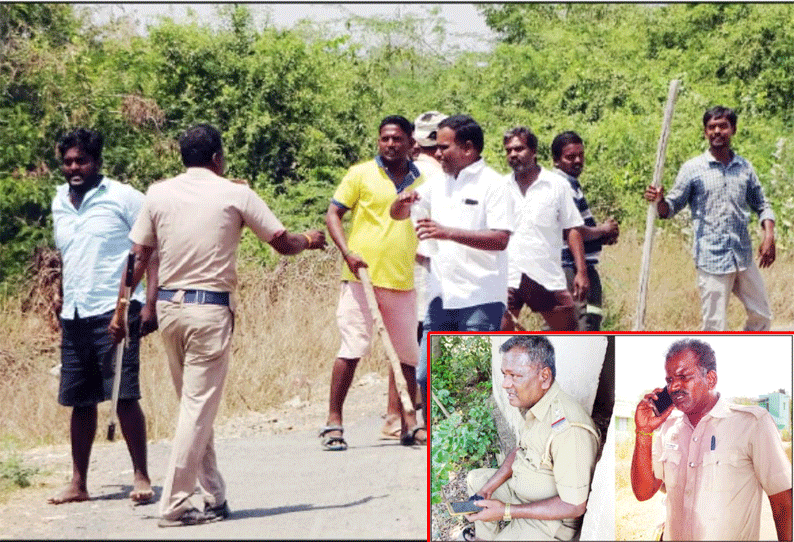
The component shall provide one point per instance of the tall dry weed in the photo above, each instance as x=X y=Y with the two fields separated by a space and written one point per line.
x=285 y=341
x=673 y=302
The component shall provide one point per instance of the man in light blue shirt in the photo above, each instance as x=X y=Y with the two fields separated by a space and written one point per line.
x=721 y=189
x=92 y=218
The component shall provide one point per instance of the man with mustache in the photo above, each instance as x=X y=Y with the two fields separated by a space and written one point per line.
x=546 y=215
x=544 y=483
x=92 y=217
x=714 y=461
x=722 y=188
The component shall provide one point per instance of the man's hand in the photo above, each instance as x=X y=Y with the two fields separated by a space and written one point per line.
x=316 y=239
x=148 y=319
x=654 y=194
x=116 y=328
x=610 y=231
x=645 y=419
x=427 y=228
x=354 y=262
x=766 y=252
x=491 y=511
x=581 y=285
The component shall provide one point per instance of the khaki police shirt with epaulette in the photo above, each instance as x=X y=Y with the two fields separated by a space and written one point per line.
x=556 y=452
x=715 y=474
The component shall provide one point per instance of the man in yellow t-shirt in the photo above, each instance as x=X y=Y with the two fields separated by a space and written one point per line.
x=387 y=249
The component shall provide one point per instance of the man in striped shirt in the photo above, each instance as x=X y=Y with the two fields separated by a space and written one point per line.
x=567 y=151
x=721 y=189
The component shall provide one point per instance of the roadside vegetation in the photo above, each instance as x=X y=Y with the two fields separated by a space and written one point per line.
x=297 y=107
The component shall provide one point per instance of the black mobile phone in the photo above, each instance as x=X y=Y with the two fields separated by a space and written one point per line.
x=462 y=507
x=663 y=402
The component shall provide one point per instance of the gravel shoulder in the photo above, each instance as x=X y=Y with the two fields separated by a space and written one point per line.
x=280 y=484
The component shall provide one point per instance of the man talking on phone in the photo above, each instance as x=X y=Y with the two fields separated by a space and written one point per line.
x=714 y=461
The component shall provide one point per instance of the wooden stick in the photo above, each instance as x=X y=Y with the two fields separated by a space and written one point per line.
x=399 y=378
x=650 y=224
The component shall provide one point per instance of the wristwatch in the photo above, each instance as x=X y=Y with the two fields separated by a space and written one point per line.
x=507 y=516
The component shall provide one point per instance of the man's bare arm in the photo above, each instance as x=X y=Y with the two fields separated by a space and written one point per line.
x=551 y=508
x=781 y=512
x=581 y=282
x=643 y=482
x=480 y=239
x=333 y=221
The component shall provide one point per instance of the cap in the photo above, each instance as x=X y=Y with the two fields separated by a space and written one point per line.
x=425 y=127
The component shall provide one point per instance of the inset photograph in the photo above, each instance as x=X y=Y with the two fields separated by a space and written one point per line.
x=703 y=437
x=522 y=447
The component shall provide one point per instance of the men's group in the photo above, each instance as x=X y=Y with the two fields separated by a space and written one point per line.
x=449 y=245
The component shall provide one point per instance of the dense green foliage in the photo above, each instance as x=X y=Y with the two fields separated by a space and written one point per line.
x=461 y=381
x=297 y=107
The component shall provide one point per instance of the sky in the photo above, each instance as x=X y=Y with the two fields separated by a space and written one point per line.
x=466 y=27
x=747 y=365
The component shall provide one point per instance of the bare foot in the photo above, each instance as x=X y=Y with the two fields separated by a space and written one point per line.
x=391 y=427
x=70 y=494
x=142 y=492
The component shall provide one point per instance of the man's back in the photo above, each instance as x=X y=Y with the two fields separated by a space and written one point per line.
x=195 y=219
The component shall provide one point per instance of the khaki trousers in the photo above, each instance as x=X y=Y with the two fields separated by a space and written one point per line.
x=517 y=529
x=197 y=340
x=747 y=285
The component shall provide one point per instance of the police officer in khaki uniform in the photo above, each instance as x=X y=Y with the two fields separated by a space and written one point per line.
x=543 y=485
x=715 y=461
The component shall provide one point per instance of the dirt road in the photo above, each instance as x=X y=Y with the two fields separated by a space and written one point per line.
x=280 y=484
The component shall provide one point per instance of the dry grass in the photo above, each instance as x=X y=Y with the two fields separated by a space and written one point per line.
x=285 y=341
x=673 y=302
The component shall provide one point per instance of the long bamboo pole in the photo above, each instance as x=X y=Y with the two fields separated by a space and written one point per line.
x=399 y=378
x=645 y=269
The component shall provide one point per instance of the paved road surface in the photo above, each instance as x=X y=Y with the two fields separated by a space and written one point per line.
x=278 y=486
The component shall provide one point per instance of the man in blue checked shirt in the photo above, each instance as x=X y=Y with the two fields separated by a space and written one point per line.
x=722 y=188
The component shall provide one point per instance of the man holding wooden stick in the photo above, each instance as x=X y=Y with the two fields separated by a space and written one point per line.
x=722 y=188
x=92 y=217
x=386 y=248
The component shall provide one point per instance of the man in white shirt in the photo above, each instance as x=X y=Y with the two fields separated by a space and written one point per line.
x=546 y=214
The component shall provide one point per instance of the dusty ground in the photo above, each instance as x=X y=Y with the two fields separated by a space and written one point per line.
x=280 y=484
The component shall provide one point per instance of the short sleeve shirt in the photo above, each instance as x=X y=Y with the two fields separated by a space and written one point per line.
x=715 y=474
x=478 y=199
x=387 y=245
x=94 y=245
x=195 y=220
x=721 y=198
x=535 y=248
x=573 y=452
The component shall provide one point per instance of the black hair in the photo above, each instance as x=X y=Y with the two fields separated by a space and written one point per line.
x=563 y=139
x=405 y=125
x=466 y=129
x=198 y=145
x=719 y=112
x=524 y=134
x=707 y=361
x=538 y=348
x=88 y=141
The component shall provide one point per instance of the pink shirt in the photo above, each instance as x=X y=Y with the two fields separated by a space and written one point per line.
x=715 y=474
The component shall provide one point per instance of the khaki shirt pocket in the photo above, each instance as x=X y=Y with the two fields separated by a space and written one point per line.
x=671 y=463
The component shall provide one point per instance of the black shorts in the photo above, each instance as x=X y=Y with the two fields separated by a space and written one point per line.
x=537 y=297
x=87 y=360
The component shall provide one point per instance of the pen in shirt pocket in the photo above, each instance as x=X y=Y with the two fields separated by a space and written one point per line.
x=713 y=443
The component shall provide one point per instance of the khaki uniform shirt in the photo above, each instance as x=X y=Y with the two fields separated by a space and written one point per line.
x=569 y=469
x=195 y=220
x=714 y=473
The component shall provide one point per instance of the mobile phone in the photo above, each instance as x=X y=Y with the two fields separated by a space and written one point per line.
x=462 y=507
x=663 y=402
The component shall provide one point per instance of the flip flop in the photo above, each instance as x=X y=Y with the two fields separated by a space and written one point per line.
x=410 y=438
x=334 y=443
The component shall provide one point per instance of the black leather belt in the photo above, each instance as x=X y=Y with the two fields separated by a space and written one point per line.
x=196 y=296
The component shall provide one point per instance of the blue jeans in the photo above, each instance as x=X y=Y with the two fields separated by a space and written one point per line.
x=486 y=317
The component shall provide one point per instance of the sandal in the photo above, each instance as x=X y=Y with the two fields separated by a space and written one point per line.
x=410 y=437
x=467 y=533
x=333 y=443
